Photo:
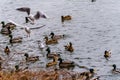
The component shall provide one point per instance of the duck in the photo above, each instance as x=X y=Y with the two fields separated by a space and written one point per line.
x=7 y=50
x=31 y=59
x=66 y=64
x=67 y=17
x=69 y=47
x=51 y=55
x=54 y=62
x=107 y=54
x=9 y=24
x=31 y=18
x=115 y=69
x=53 y=36
x=41 y=45
x=87 y=75
x=6 y=30
x=15 y=40
x=50 y=41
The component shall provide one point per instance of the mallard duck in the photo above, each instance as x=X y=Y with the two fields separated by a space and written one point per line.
x=7 y=50
x=107 y=54
x=6 y=30
x=51 y=55
x=50 y=41
x=31 y=18
x=67 y=17
x=41 y=45
x=11 y=25
x=115 y=69
x=15 y=40
x=31 y=59
x=66 y=64
x=54 y=62
x=53 y=36
x=87 y=75
x=69 y=47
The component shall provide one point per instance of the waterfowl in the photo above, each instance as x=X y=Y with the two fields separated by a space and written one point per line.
x=69 y=47
x=11 y=25
x=7 y=50
x=87 y=75
x=32 y=58
x=15 y=40
x=41 y=45
x=115 y=69
x=67 y=17
x=50 y=41
x=66 y=64
x=54 y=62
x=107 y=54
x=53 y=36
x=27 y=30
x=51 y=55
x=6 y=30
x=31 y=18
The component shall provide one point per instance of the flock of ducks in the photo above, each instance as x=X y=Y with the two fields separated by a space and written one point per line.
x=51 y=39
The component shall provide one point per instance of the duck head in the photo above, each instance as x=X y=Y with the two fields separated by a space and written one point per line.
x=26 y=55
x=52 y=34
x=60 y=59
x=3 y=24
x=17 y=67
x=114 y=67
x=92 y=71
x=48 y=50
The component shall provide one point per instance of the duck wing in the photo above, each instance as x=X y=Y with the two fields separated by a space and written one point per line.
x=24 y=9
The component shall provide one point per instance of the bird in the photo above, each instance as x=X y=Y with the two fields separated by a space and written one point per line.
x=7 y=50
x=51 y=54
x=31 y=18
x=65 y=18
x=32 y=58
x=107 y=54
x=66 y=64
x=53 y=36
x=50 y=41
x=69 y=47
x=54 y=62
x=15 y=40
x=41 y=45
x=115 y=69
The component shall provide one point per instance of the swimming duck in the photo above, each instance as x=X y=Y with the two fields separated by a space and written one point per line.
x=7 y=50
x=67 y=17
x=51 y=55
x=54 y=62
x=15 y=40
x=41 y=45
x=69 y=47
x=87 y=75
x=31 y=18
x=115 y=70
x=53 y=36
x=11 y=25
x=50 y=41
x=66 y=64
x=107 y=54
x=6 y=30
x=31 y=59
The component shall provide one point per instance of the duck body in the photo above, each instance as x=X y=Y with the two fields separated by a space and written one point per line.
x=115 y=69
x=15 y=40
x=51 y=55
x=6 y=30
x=66 y=64
x=67 y=17
x=69 y=47
x=54 y=62
x=7 y=50
x=53 y=36
x=31 y=59
x=107 y=54
x=50 y=41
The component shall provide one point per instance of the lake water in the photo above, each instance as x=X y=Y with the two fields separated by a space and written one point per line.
x=94 y=28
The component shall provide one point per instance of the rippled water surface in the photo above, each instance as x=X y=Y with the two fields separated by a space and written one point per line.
x=94 y=28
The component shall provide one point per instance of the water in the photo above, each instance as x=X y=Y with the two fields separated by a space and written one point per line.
x=93 y=29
